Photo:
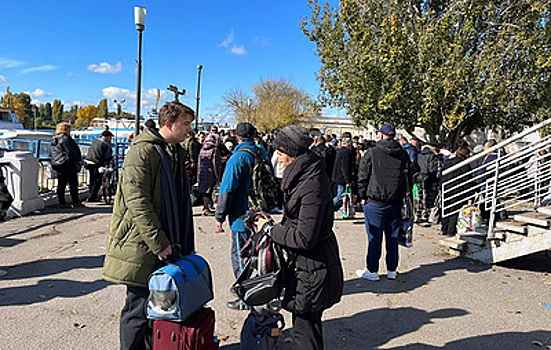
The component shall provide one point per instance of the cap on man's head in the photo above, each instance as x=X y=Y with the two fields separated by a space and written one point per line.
x=106 y=133
x=387 y=130
x=245 y=130
x=150 y=123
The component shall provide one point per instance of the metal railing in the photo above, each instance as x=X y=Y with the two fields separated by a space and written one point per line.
x=497 y=181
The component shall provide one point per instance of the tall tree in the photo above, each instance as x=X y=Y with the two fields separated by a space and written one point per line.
x=70 y=115
x=57 y=111
x=24 y=111
x=103 y=111
x=447 y=66
x=8 y=100
x=47 y=111
x=275 y=103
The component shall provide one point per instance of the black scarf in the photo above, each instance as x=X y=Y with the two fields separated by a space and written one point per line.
x=176 y=214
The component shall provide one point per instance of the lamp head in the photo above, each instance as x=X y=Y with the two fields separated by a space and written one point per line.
x=139 y=17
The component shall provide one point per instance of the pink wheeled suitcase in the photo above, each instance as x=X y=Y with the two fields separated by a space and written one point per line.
x=195 y=333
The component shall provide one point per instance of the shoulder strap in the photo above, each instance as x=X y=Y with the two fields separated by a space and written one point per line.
x=250 y=151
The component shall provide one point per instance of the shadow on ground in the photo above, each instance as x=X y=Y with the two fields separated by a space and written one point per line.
x=538 y=262
x=363 y=330
x=413 y=279
x=7 y=241
x=499 y=341
x=47 y=267
x=48 y=289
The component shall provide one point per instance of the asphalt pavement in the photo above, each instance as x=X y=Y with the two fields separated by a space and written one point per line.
x=53 y=297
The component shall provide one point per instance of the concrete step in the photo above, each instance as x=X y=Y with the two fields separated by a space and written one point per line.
x=473 y=238
x=453 y=243
x=533 y=218
x=515 y=246
x=545 y=210
x=513 y=226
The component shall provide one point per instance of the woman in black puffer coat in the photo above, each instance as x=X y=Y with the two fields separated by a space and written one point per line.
x=307 y=230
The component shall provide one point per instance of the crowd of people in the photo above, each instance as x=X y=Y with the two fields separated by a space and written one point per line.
x=167 y=165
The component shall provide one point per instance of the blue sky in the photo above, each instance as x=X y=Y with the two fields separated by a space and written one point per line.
x=82 y=51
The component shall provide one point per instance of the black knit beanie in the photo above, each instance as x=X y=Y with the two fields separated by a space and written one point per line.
x=293 y=140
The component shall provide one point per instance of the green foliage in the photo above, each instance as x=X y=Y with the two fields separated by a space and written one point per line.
x=447 y=66
x=70 y=115
x=275 y=104
x=47 y=111
x=57 y=111
x=24 y=111
x=102 y=109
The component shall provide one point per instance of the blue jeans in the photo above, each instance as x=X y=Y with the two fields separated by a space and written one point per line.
x=238 y=239
x=337 y=201
x=381 y=218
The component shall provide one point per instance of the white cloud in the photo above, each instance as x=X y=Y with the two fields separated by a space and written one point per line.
x=148 y=97
x=7 y=63
x=45 y=68
x=238 y=50
x=3 y=79
x=230 y=38
x=39 y=93
x=235 y=49
x=105 y=68
x=115 y=93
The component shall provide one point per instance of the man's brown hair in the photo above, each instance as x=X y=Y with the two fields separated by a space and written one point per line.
x=171 y=111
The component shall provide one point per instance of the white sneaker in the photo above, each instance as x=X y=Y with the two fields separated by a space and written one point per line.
x=391 y=275
x=368 y=275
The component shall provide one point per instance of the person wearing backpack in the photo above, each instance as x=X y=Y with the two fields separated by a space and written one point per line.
x=316 y=277
x=233 y=199
x=66 y=160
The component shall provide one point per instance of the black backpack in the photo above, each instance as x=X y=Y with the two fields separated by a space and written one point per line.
x=263 y=192
x=261 y=330
x=59 y=155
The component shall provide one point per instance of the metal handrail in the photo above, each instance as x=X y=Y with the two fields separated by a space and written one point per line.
x=498 y=146
x=509 y=181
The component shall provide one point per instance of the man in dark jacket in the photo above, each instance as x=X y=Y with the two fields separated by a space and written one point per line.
x=326 y=152
x=343 y=170
x=430 y=165
x=99 y=155
x=149 y=219
x=382 y=182
x=233 y=198
x=412 y=152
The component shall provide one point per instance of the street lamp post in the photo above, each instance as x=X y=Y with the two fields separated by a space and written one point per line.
x=119 y=107
x=199 y=68
x=139 y=20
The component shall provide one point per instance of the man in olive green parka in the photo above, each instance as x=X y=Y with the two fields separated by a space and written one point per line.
x=137 y=240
